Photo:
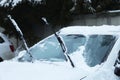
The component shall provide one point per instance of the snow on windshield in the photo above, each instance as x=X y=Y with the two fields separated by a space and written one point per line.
x=98 y=48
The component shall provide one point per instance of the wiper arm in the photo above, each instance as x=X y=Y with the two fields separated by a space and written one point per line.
x=21 y=35
x=64 y=49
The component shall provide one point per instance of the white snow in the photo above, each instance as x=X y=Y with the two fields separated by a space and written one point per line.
x=114 y=11
x=105 y=29
x=6 y=2
x=44 y=19
x=15 y=25
x=14 y=2
x=38 y=71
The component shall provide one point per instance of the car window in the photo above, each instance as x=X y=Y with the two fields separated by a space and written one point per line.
x=73 y=42
x=1 y=40
x=50 y=48
x=97 y=48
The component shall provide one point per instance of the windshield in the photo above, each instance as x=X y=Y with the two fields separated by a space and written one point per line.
x=97 y=48
x=50 y=48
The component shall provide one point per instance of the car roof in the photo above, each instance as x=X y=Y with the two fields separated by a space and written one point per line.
x=89 y=30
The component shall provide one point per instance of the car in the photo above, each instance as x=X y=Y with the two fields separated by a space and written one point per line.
x=6 y=48
x=94 y=50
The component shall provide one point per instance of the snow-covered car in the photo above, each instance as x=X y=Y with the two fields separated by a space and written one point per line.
x=6 y=48
x=93 y=51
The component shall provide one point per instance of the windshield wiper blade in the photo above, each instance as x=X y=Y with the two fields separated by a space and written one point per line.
x=64 y=48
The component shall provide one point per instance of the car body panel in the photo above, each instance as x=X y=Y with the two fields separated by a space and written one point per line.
x=5 y=52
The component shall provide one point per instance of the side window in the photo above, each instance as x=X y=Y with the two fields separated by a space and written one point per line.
x=1 y=40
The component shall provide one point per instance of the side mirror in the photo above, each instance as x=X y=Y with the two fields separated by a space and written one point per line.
x=117 y=71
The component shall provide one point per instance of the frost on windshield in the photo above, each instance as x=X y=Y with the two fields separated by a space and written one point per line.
x=97 y=48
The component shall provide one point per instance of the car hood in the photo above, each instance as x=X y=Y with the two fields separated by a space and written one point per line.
x=39 y=71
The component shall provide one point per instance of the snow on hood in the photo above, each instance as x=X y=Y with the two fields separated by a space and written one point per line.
x=37 y=71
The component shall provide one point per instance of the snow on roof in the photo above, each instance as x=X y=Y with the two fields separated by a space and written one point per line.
x=105 y=29
x=114 y=11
